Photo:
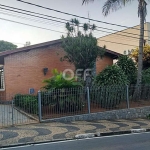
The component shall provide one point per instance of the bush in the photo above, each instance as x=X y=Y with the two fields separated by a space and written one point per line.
x=64 y=100
x=108 y=96
x=63 y=94
x=111 y=75
x=146 y=76
x=110 y=89
x=128 y=67
x=58 y=81
x=27 y=103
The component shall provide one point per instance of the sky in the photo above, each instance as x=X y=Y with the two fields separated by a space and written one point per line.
x=19 y=34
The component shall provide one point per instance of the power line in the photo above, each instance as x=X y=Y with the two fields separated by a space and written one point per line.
x=34 y=12
x=60 y=19
x=77 y=15
x=31 y=25
x=5 y=13
x=30 y=19
x=31 y=15
x=58 y=31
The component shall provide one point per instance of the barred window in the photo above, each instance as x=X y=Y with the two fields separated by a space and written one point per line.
x=2 y=78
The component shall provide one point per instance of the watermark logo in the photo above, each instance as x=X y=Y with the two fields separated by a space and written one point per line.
x=78 y=73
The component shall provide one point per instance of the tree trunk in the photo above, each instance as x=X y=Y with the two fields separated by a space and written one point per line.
x=141 y=41
x=137 y=93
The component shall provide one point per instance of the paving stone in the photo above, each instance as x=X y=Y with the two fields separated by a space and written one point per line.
x=59 y=136
x=26 y=140
x=141 y=123
x=121 y=124
x=42 y=131
x=114 y=129
x=71 y=128
x=136 y=127
x=98 y=126
x=8 y=135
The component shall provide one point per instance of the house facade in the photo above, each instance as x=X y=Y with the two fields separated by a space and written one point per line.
x=124 y=41
x=24 y=69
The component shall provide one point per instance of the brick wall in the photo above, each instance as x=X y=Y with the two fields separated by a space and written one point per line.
x=24 y=70
x=101 y=64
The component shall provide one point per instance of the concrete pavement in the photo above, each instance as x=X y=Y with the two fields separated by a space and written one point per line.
x=57 y=130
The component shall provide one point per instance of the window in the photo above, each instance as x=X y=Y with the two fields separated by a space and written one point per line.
x=2 y=78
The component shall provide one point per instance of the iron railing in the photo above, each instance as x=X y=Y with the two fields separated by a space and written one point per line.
x=56 y=103
x=17 y=110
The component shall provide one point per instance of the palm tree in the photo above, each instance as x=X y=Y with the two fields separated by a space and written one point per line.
x=113 y=5
x=85 y=27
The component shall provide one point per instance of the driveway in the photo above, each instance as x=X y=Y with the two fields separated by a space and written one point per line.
x=9 y=116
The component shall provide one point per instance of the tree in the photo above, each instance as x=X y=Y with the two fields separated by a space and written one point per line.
x=128 y=67
x=142 y=12
x=81 y=48
x=146 y=56
x=6 y=46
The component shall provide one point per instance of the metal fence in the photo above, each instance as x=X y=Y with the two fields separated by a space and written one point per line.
x=58 y=103
x=63 y=102
x=17 y=110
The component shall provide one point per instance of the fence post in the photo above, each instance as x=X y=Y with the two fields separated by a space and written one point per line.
x=12 y=105
x=88 y=97
x=127 y=94
x=39 y=106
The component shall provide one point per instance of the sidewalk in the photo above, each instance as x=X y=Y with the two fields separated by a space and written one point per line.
x=56 y=130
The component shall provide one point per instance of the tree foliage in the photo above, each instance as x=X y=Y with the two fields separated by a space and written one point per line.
x=146 y=76
x=128 y=67
x=81 y=48
x=112 y=75
x=146 y=56
x=4 y=45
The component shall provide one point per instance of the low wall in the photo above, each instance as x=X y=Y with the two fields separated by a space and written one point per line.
x=131 y=113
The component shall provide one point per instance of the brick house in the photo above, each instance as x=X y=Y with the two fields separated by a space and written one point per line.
x=22 y=69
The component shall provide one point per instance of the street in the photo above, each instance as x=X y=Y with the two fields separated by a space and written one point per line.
x=118 y=142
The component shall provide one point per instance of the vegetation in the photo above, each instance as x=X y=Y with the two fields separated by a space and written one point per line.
x=142 y=12
x=128 y=67
x=61 y=94
x=28 y=103
x=111 y=75
x=146 y=76
x=146 y=56
x=81 y=48
x=58 y=81
x=6 y=46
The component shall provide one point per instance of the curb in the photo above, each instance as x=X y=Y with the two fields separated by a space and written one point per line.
x=98 y=134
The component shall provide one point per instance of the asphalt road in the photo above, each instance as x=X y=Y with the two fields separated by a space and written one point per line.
x=121 y=142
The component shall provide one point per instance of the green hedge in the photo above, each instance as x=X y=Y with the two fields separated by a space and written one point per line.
x=27 y=103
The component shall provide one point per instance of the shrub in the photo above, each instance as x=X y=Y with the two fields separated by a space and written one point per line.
x=128 y=67
x=146 y=55
x=108 y=96
x=64 y=100
x=58 y=81
x=146 y=76
x=110 y=89
x=28 y=103
x=111 y=75
x=63 y=94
